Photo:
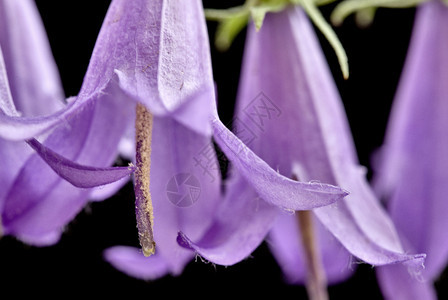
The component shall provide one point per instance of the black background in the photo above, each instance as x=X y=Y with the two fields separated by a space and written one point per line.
x=75 y=265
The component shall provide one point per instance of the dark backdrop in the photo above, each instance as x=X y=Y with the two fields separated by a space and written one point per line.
x=75 y=265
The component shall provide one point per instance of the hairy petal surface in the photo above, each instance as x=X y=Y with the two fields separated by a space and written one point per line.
x=39 y=196
x=160 y=53
x=297 y=125
x=31 y=95
x=241 y=223
x=273 y=187
x=33 y=77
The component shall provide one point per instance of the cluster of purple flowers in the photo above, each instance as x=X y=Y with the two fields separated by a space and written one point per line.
x=293 y=177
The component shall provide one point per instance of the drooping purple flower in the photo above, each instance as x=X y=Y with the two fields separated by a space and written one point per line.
x=289 y=108
x=157 y=52
x=413 y=170
x=35 y=203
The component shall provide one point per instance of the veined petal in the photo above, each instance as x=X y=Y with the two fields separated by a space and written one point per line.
x=414 y=167
x=33 y=77
x=79 y=175
x=159 y=51
x=298 y=127
x=44 y=198
x=14 y=126
x=6 y=104
x=240 y=225
x=271 y=186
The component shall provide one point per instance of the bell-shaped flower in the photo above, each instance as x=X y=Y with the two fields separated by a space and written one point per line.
x=35 y=203
x=157 y=53
x=413 y=164
x=290 y=114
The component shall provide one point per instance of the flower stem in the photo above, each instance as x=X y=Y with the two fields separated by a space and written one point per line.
x=143 y=203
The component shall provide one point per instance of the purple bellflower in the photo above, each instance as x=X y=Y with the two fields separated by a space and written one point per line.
x=413 y=167
x=156 y=54
x=35 y=203
x=289 y=108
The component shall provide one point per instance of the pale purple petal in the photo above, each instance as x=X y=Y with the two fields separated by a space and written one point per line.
x=299 y=127
x=240 y=226
x=14 y=126
x=397 y=283
x=30 y=88
x=270 y=185
x=23 y=128
x=284 y=241
x=159 y=51
x=414 y=167
x=15 y=152
x=79 y=175
x=6 y=103
x=132 y=262
x=106 y=191
x=46 y=199
x=33 y=77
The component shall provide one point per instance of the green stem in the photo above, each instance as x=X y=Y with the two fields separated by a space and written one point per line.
x=328 y=32
x=344 y=9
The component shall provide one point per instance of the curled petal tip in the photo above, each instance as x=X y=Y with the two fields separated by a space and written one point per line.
x=81 y=176
x=184 y=241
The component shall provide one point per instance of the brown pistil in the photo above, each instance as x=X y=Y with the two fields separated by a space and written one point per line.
x=143 y=203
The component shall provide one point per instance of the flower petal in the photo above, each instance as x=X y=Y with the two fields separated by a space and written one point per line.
x=271 y=186
x=169 y=63
x=31 y=96
x=132 y=262
x=241 y=223
x=103 y=192
x=79 y=175
x=299 y=127
x=284 y=242
x=7 y=106
x=42 y=197
x=414 y=166
x=398 y=284
x=33 y=77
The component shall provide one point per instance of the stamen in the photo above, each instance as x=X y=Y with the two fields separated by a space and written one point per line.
x=143 y=203
x=316 y=283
